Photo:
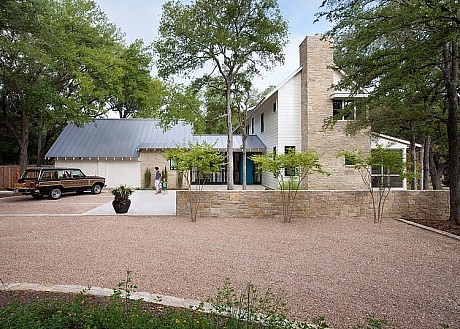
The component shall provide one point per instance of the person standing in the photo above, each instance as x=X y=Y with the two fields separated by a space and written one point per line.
x=157 y=180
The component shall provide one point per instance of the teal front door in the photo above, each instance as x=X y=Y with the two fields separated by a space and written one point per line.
x=249 y=169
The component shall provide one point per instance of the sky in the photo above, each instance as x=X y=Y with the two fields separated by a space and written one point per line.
x=139 y=19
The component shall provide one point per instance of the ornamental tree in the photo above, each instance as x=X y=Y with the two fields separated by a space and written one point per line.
x=291 y=170
x=196 y=162
x=394 y=47
x=386 y=162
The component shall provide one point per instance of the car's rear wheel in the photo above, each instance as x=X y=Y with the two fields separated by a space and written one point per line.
x=96 y=189
x=55 y=194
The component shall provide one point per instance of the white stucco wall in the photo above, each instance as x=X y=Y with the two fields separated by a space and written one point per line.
x=116 y=172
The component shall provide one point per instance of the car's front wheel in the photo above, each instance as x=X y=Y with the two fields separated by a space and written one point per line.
x=96 y=189
x=55 y=194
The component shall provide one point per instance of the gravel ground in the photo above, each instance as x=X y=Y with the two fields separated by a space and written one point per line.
x=341 y=269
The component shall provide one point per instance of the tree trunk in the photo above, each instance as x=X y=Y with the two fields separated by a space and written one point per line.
x=436 y=169
x=245 y=169
x=413 y=163
x=24 y=142
x=228 y=97
x=451 y=71
x=426 y=163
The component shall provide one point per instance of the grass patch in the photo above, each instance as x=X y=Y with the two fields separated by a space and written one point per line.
x=248 y=308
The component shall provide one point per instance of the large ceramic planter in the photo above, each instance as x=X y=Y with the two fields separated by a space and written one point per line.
x=121 y=206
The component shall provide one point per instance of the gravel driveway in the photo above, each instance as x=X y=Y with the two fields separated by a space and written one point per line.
x=342 y=269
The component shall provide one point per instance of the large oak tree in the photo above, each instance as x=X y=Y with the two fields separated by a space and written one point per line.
x=391 y=46
x=224 y=38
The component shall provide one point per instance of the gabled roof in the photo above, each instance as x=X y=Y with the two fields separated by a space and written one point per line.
x=116 y=138
x=124 y=138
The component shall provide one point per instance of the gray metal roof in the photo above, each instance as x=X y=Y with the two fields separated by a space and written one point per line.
x=219 y=142
x=117 y=138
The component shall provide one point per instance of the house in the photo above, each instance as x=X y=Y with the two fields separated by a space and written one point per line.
x=121 y=150
x=292 y=116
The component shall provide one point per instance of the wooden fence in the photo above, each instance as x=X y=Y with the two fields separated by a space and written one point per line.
x=8 y=176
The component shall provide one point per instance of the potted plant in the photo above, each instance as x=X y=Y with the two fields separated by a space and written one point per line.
x=121 y=202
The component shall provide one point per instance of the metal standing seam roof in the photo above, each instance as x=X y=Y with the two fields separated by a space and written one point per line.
x=124 y=138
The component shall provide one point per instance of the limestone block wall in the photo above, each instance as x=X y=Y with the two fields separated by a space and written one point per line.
x=324 y=204
x=151 y=159
x=316 y=58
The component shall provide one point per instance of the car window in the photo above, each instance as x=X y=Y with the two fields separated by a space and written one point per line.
x=77 y=174
x=47 y=175
x=31 y=174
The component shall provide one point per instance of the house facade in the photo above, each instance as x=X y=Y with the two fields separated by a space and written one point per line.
x=293 y=116
x=121 y=150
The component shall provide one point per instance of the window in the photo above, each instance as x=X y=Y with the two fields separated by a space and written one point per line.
x=262 y=125
x=350 y=160
x=342 y=110
x=252 y=125
x=289 y=171
x=274 y=151
x=274 y=107
x=172 y=164
x=381 y=176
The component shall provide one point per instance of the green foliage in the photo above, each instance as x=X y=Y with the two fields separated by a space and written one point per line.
x=59 y=62
x=182 y=103
x=248 y=308
x=407 y=54
x=299 y=164
x=388 y=162
x=240 y=38
x=371 y=323
x=199 y=160
x=147 y=178
x=122 y=192
x=136 y=94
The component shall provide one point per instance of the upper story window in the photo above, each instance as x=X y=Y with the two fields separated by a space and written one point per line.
x=343 y=110
x=252 y=125
x=275 y=105
x=262 y=124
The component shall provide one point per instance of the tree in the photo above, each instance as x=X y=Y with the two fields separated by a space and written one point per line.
x=196 y=162
x=245 y=99
x=389 y=45
x=241 y=37
x=385 y=162
x=136 y=94
x=296 y=167
x=56 y=66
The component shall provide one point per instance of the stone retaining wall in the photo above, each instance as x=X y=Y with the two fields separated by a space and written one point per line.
x=318 y=204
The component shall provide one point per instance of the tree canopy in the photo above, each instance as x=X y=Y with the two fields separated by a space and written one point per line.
x=243 y=36
x=62 y=61
x=406 y=54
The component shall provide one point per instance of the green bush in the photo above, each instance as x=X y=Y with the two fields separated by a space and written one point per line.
x=147 y=178
x=249 y=308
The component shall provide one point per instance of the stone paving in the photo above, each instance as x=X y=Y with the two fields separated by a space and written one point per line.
x=105 y=292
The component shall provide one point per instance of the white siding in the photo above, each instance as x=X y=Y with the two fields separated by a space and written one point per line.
x=116 y=172
x=289 y=121
x=282 y=128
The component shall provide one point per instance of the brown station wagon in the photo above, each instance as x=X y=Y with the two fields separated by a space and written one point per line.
x=39 y=182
